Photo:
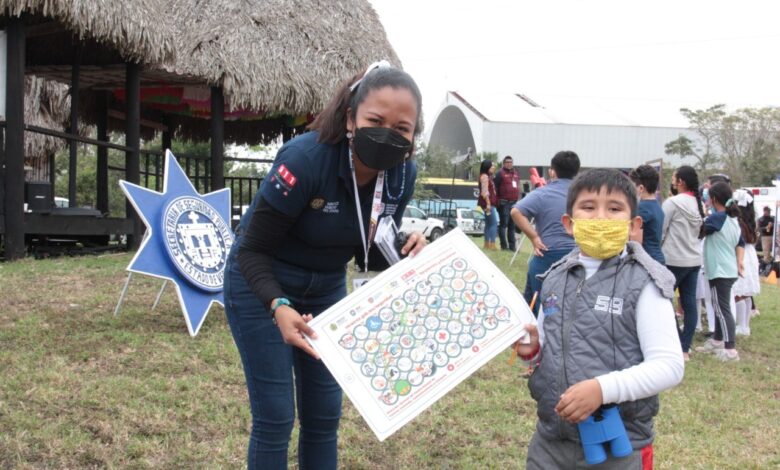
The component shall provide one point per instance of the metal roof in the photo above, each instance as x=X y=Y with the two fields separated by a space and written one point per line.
x=550 y=109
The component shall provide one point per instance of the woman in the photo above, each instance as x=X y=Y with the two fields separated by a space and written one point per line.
x=488 y=200
x=312 y=214
x=683 y=216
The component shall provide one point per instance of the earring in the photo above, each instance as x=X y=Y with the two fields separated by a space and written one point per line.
x=349 y=135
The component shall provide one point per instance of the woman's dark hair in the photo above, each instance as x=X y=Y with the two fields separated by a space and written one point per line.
x=332 y=121
x=747 y=221
x=485 y=166
x=691 y=180
x=721 y=193
x=646 y=176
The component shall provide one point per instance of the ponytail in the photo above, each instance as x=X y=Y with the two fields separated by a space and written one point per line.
x=732 y=208
x=700 y=205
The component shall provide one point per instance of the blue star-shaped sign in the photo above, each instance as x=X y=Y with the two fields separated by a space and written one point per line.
x=187 y=239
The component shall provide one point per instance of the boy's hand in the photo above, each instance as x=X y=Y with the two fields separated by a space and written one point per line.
x=526 y=349
x=579 y=401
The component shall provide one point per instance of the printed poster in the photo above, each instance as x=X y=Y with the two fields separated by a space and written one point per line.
x=413 y=333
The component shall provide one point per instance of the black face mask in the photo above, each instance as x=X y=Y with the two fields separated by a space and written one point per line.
x=673 y=189
x=380 y=148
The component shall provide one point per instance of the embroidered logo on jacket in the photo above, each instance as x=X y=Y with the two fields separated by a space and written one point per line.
x=550 y=305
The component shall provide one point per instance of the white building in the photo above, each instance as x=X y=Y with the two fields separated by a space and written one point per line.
x=604 y=133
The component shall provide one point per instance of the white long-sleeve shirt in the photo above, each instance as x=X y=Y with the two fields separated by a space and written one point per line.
x=663 y=366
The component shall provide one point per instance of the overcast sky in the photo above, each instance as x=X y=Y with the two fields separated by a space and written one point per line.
x=681 y=51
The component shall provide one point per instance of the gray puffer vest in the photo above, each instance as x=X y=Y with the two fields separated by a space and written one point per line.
x=590 y=330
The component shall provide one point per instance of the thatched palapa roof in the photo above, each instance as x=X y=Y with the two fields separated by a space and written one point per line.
x=46 y=104
x=278 y=56
x=136 y=28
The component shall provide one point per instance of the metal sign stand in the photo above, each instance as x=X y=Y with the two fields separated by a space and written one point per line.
x=119 y=303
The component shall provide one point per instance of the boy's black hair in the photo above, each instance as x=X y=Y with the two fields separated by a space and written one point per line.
x=646 y=176
x=566 y=164
x=597 y=178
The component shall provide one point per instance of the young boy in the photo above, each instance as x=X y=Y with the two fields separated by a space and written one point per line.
x=607 y=332
x=646 y=180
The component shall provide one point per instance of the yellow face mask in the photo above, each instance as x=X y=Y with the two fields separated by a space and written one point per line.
x=601 y=238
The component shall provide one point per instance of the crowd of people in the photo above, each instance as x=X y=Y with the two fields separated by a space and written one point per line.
x=714 y=267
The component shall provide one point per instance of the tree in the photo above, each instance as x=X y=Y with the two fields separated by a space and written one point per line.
x=745 y=144
x=706 y=123
x=749 y=141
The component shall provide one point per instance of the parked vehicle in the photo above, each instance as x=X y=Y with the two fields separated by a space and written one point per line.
x=416 y=220
x=471 y=222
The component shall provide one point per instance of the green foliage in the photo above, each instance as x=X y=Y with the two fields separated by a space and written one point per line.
x=86 y=170
x=745 y=143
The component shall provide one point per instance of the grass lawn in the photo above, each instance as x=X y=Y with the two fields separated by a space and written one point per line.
x=80 y=388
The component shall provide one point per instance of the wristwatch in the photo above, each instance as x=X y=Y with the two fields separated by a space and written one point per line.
x=276 y=303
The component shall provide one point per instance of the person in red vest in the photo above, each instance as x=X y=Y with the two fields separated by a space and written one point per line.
x=507 y=181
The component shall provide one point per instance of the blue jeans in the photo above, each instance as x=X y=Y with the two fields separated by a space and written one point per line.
x=506 y=227
x=685 y=280
x=269 y=364
x=536 y=266
x=491 y=225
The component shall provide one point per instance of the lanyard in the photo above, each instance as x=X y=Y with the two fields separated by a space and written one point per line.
x=376 y=209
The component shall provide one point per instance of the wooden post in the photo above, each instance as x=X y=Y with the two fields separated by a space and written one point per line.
x=102 y=152
x=133 y=140
x=217 y=138
x=14 y=146
x=74 y=126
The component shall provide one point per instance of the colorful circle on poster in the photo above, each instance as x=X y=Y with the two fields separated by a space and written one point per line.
x=359 y=355
x=347 y=341
x=435 y=280
x=458 y=284
x=465 y=340
x=410 y=296
x=373 y=323
x=403 y=387
x=423 y=288
x=361 y=332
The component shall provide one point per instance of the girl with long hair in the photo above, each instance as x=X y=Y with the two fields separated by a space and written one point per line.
x=724 y=250
x=747 y=285
x=683 y=216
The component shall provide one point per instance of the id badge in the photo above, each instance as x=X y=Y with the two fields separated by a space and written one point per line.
x=364 y=278
x=514 y=184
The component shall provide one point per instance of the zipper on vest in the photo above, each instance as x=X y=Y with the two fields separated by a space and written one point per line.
x=566 y=327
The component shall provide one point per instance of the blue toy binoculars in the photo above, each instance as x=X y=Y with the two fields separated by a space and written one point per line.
x=604 y=427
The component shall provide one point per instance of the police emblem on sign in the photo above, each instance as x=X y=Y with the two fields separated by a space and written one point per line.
x=198 y=241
